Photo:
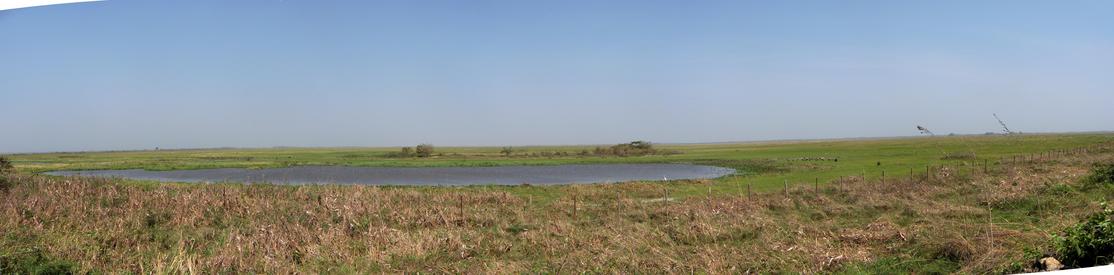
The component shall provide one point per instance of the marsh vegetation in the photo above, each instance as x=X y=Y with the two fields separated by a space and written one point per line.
x=779 y=214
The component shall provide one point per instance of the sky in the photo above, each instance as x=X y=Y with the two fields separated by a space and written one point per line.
x=119 y=75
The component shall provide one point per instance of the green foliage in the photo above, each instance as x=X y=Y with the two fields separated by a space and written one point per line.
x=1088 y=243
x=5 y=165
x=898 y=265
x=1101 y=174
x=5 y=184
x=959 y=156
x=33 y=261
x=406 y=152
x=5 y=168
x=634 y=148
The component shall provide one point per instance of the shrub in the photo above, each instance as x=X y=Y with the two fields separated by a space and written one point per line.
x=33 y=261
x=1089 y=243
x=5 y=184
x=404 y=153
x=5 y=165
x=424 y=150
x=634 y=148
x=1101 y=173
x=959 y=155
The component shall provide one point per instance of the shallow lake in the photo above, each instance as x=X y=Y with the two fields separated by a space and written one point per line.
x=500 y=175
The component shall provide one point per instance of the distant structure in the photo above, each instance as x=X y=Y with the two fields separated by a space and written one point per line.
x=925 y=131
x=1004 y=127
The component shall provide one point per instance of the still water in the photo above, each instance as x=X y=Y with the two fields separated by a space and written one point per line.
x=501 y=175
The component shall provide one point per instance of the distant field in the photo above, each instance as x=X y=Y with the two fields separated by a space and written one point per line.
x=766 y=165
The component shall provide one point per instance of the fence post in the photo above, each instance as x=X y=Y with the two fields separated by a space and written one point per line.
x=460 y=208
x=883 y=177
x=785 y=186
x=574 y=207
x=816 y=185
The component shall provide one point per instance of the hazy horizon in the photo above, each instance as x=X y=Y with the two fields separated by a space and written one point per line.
x=133 y=75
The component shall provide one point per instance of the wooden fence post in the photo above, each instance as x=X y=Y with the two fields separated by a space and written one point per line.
x=785 y=186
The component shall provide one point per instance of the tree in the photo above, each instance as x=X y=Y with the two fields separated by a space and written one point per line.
x=424 y=150
x=507 y=151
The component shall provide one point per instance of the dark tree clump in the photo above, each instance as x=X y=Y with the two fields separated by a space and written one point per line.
x=424 y=150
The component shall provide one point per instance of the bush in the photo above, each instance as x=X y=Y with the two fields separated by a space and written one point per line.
x=404 y=153
x=958 y=155
x=33 y=261
x=1102 y=173
x=634 y=148
x=5 y=184
x=424 y=150
x=1089 y=243
x=5 y=165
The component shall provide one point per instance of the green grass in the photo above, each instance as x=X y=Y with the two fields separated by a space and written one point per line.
x=942 y=221
x=766 y=165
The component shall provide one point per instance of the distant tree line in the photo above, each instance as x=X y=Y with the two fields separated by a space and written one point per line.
x=424 y=150
x=634 y=148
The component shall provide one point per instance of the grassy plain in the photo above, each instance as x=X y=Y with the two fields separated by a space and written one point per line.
x=765 y=165
x=954 y=216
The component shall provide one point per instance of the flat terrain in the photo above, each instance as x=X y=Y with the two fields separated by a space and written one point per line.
x=765 y=165
x=971 y=204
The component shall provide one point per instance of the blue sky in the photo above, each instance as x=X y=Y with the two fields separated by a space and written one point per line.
x=177 y=74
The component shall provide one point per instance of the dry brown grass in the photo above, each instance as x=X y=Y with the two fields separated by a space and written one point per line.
x=111 y=225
